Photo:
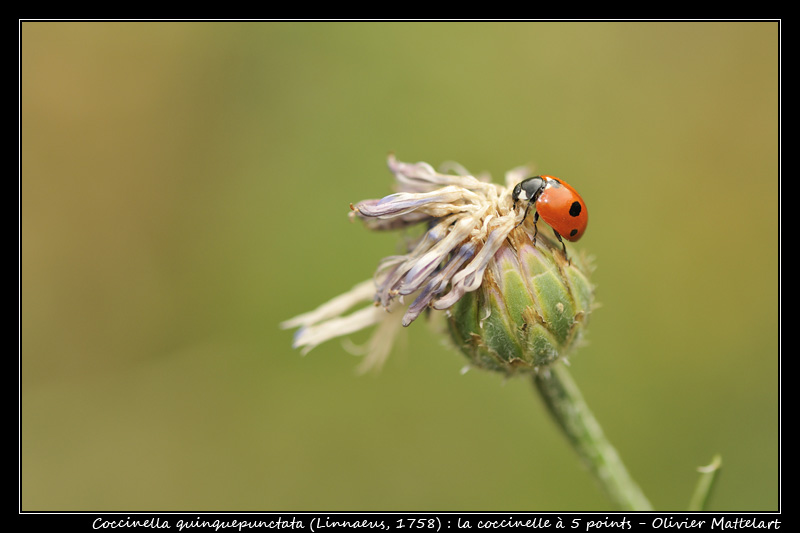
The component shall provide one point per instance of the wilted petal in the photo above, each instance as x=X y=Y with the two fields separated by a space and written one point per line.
x=422 y=177
x=309 y=337
x=388 y=224
x=390 y=282
x=470 y=278
x=451 y=199
x=426 y=264
x=362 y=292
x=438 y=283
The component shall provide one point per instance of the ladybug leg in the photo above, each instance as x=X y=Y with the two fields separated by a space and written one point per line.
x=535 y=227
x=527 y=210
x=563 y=245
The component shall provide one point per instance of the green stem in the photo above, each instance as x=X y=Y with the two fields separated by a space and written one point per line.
x=566 y=404
x=702 y=492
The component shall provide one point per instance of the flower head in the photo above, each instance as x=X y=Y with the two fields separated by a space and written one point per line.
x=513 y=299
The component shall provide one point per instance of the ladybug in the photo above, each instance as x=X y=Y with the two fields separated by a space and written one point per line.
x=557 y=203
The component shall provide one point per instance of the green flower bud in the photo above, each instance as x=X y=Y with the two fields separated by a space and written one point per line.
x=531 y=309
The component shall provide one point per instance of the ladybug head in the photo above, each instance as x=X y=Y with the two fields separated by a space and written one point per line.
x=528 y=190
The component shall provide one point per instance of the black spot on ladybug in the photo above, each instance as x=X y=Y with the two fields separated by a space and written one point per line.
x=575 y=209
x=573 y=233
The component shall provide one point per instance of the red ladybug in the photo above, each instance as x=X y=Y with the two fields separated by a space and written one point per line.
x=556 y=202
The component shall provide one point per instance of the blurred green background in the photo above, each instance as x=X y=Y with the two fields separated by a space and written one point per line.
x=185 y=188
